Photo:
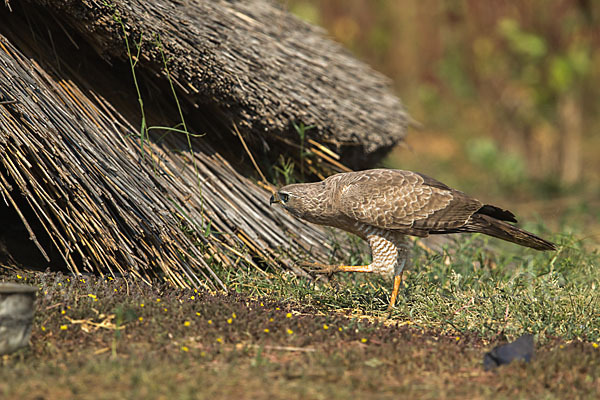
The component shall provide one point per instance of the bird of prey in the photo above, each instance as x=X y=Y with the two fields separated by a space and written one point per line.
x=382 y=206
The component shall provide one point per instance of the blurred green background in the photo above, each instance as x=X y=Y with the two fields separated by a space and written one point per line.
x=506 y=93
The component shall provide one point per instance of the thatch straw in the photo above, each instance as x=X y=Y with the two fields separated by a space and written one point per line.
x=261 y=66
x=78 y=165
x=71 y=164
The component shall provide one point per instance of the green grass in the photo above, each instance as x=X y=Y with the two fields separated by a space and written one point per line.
x=283 y=336
x=467 y=288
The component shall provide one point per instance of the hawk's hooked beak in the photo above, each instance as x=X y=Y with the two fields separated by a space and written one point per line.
x=274 y=199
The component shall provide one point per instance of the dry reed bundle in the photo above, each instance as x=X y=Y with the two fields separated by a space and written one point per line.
x=261 y=66
x=79 y=166
x=71 y=161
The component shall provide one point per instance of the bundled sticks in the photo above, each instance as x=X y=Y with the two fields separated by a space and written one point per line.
x=117 y=202
x=111 y=207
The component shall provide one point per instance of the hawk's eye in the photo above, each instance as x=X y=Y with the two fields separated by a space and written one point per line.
x=284 y=197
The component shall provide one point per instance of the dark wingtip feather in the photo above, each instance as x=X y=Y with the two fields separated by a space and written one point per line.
x=497 y=212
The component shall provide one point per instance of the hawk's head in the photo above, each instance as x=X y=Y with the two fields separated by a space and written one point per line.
x=303 y=200
x=291 y=197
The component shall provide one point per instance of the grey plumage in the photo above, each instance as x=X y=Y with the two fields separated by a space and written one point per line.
x=382 y=206
x=402 y=202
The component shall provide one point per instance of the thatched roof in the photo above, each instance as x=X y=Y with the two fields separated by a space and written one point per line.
x=94 y=194
x=259 y=64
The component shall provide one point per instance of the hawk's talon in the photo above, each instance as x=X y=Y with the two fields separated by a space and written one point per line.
x=320 y=268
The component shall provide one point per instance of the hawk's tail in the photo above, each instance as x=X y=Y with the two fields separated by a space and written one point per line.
x=502 y=230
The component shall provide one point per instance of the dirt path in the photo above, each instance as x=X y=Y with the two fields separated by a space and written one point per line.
x=94 y=339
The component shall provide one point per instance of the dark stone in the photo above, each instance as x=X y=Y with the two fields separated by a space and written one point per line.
x=521 y=349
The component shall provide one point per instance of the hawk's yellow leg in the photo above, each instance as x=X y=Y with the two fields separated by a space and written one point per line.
x=355 y=268
x=397 y=282
x=330 y=269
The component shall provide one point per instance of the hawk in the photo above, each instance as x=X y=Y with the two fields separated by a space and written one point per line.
x=383 y=206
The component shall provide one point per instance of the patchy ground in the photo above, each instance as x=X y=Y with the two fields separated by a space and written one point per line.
x=96 y=338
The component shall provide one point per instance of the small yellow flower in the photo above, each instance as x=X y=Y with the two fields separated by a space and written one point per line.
x=93 y=296
x=289 y=331
x=59 y=284
x=192 y=297
x=158 y=300
x=82 y=280
x=277 y=308
x=19 y=277
x=233 y=316
x=340 y=329
x=195 y=290
x=198 y=314
x=266 y=330
x=288 y=315
x=43 y=328
x=210 y=321
x=229 y=321
x=110 y=278
x=270 y=319
x=184 y=348
x=325 y=326
x=63 y=312
x=261 y=304
x=219 y=340
x=363 y=340
x=141 y=318
x=166 y=309
x=202 y=354
x=457 y=338
x=595 y=345
x=115 y=289
x=141 y=304
x=186 y=323
x=561 y=346
x=63 y=327
x=68 y=279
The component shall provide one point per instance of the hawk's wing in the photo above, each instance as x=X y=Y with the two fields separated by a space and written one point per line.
x=404 y=201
